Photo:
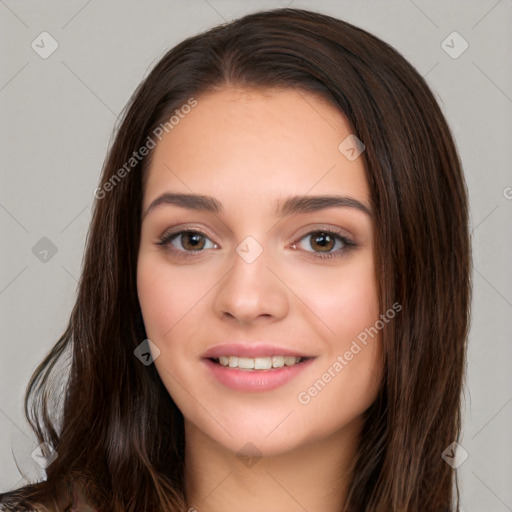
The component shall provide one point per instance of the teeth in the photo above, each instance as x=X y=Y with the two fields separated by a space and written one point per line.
x=258 y=363
x=245 y=362
x=262 y=363
x=277 y=361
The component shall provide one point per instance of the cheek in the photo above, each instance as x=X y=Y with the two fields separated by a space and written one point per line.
x=350 y=308
x=344 y=299
x=348 y=379
x=168 y=296
x=170 y=302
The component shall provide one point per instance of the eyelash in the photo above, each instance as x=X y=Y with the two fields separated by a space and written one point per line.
x=166 y=239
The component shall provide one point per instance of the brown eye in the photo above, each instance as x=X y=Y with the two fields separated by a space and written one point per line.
x=324 y=244
x=187 y=241
x=192 y=241
x=322 y=241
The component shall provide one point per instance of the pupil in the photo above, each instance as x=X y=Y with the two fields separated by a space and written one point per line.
x=193 y=241
x=324 y=241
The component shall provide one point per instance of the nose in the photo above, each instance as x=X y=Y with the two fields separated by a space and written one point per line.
x=250 y=292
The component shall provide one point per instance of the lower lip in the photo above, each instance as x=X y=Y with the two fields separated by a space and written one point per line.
x=255 y=380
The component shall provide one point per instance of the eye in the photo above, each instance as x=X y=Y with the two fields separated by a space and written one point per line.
x=187 y=241
x=325 y=244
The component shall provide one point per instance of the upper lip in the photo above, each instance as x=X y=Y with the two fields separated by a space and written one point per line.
x=251 y=350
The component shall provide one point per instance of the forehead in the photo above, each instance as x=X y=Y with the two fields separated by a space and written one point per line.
x=242 y=145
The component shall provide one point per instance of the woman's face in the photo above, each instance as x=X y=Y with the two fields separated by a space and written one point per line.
x=242 y=282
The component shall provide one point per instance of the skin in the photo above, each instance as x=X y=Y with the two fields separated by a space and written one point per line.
x=249 y=148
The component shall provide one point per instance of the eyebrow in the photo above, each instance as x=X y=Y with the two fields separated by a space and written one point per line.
x=292 y=205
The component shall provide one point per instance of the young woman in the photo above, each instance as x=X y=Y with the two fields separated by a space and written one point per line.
x=273 y=307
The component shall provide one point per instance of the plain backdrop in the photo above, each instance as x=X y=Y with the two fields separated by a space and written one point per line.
x=57 y=116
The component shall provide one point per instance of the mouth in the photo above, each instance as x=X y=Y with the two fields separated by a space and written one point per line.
x=256 y=364
x=254 y=368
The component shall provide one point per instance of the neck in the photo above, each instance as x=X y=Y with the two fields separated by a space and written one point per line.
x=312 y=477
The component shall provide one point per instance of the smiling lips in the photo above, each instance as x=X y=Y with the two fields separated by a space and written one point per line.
x=254 y=367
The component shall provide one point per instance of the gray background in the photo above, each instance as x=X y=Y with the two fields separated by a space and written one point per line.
x=57 y=118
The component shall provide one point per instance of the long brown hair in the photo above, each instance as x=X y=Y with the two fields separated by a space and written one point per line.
x=119 y=432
